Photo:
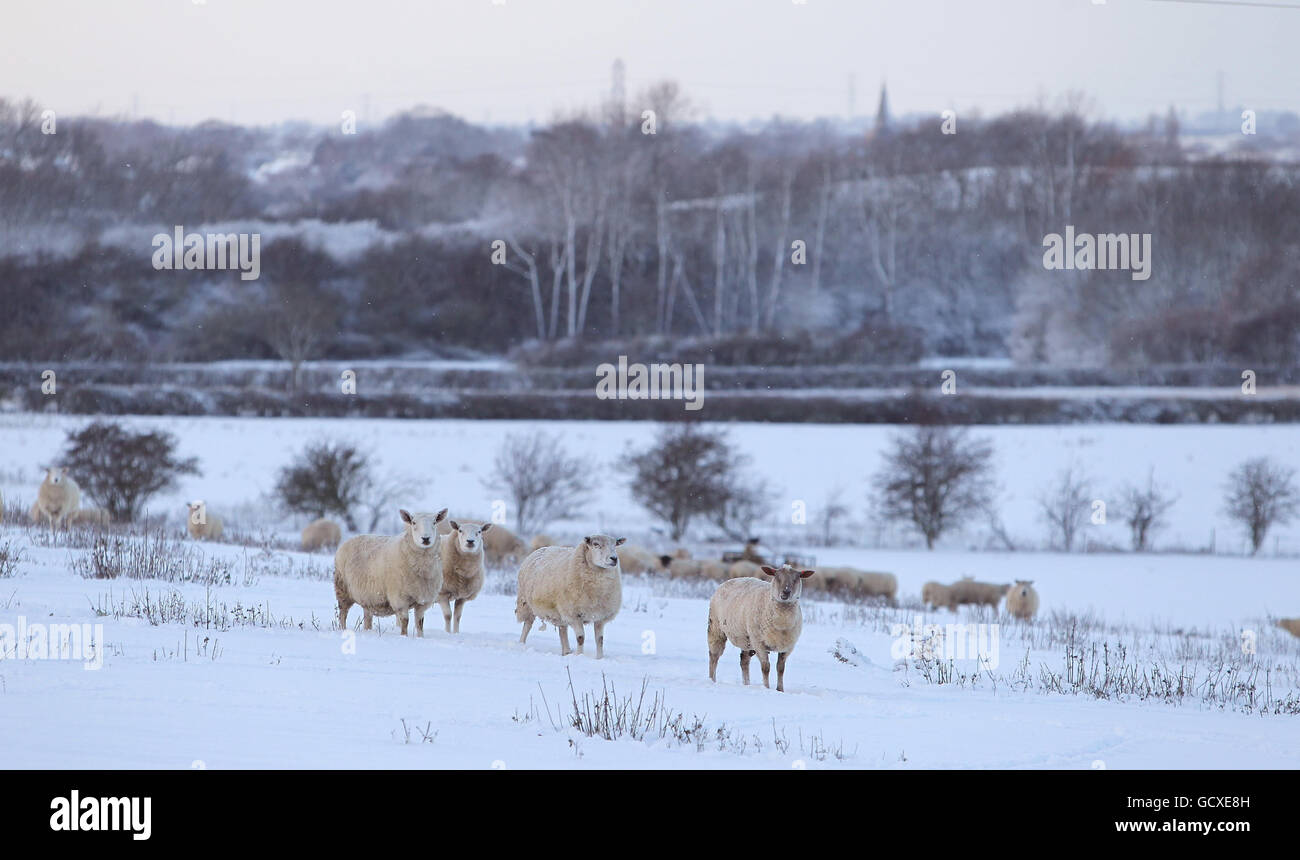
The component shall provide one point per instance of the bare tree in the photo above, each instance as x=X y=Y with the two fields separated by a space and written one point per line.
x=1260 y=495
x=748 y=501
x=833 y=509
x=687 y=472
x=1144 y=509
x=327 y=478
x=544 y=483
x=935 y=478
x=1064 y=506
x=297 y=320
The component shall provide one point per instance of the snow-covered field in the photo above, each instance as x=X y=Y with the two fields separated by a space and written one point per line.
x=1134 y=661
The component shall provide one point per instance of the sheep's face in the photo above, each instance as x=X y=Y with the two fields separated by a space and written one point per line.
x=1021 y=587
x=602 y=550
x=54 y=475
x=469 y=537
x=787 y=583
x=422 y=529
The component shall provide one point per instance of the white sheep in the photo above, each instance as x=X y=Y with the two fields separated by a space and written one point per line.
x=501 y=546
x=58 y=497
x=638 y=559
x=757 y=617
x=391 y=574
x=90 y=517
x=683 y=568
x=570 y=586
x=937 y=595
x=1022 y=599
x=713 y=569
x=462 y=569
x=201 y=523
x=967 y=590
x=540 y=541
x=745 y=568
x=320 y=534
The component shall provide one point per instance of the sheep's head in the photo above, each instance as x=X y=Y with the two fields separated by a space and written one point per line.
x=602 y=550
x=469 y=536
x=787 y=583
x=423 y=528
x=1021 y=587
x=55 y=474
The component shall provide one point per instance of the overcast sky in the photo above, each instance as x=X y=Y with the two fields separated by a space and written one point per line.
x=260 y=61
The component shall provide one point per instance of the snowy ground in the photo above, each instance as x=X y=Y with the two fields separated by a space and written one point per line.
x=251 y=673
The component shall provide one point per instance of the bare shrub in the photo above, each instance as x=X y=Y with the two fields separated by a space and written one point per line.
x=1260 y=495
x=1064 y=505
x=687 y=472
x=120 y=469
x=543 y=482
x=327 y=478
x=1143 y=510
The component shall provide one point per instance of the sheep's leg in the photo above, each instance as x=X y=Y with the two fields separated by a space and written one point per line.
x=578 y=630
x=445 y=603
x=403 y=619
x=528 y=626
x=745 y=654
x=344 y=608
x=780 y=671
x=564 y=639
x=598 y=633
x=717 y=644
x=767 y=667
x=460 y=604
x=369 y=619
x=419 y=621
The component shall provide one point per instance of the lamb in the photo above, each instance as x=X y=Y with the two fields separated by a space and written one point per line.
x=58 y=497
x=391 y=574
x=757 y=617
x=90 y=517
x=744 y=569
x=938 y=595
x=570 y=586
x=1290 y=625
x=202 y=524
x=321 y=533
x=968 y=590
x=1022 y=599
x=462 y=569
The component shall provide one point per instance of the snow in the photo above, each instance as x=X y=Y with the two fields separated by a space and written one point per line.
x=293 y=692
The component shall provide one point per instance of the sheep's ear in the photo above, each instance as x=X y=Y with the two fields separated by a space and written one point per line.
x=485 y=527
x=620 y=541
x=455 y=525
x=770 y=571
x=804 y=574
x=442 y=514
x=405 y=515
x=589 y=541
x=666 y=560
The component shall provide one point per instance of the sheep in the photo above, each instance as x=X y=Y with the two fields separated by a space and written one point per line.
x=751 y=553
x=1022 y=599
x=636 y=559
x=937 y=595
x=683 y=568
x=968 y=590
x=321 y=533
x=757 y=617
x=462 y=569
x=872 y=584
x=391 y=574
x=681 y=552
x=202 y=524
x=58 y=496
x=34 y=515
x=1290 y=625
x=570 y=586
x=744 y=569
x=90 y=517
x=501 y=547
x=714 y=570
x=540 y=541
